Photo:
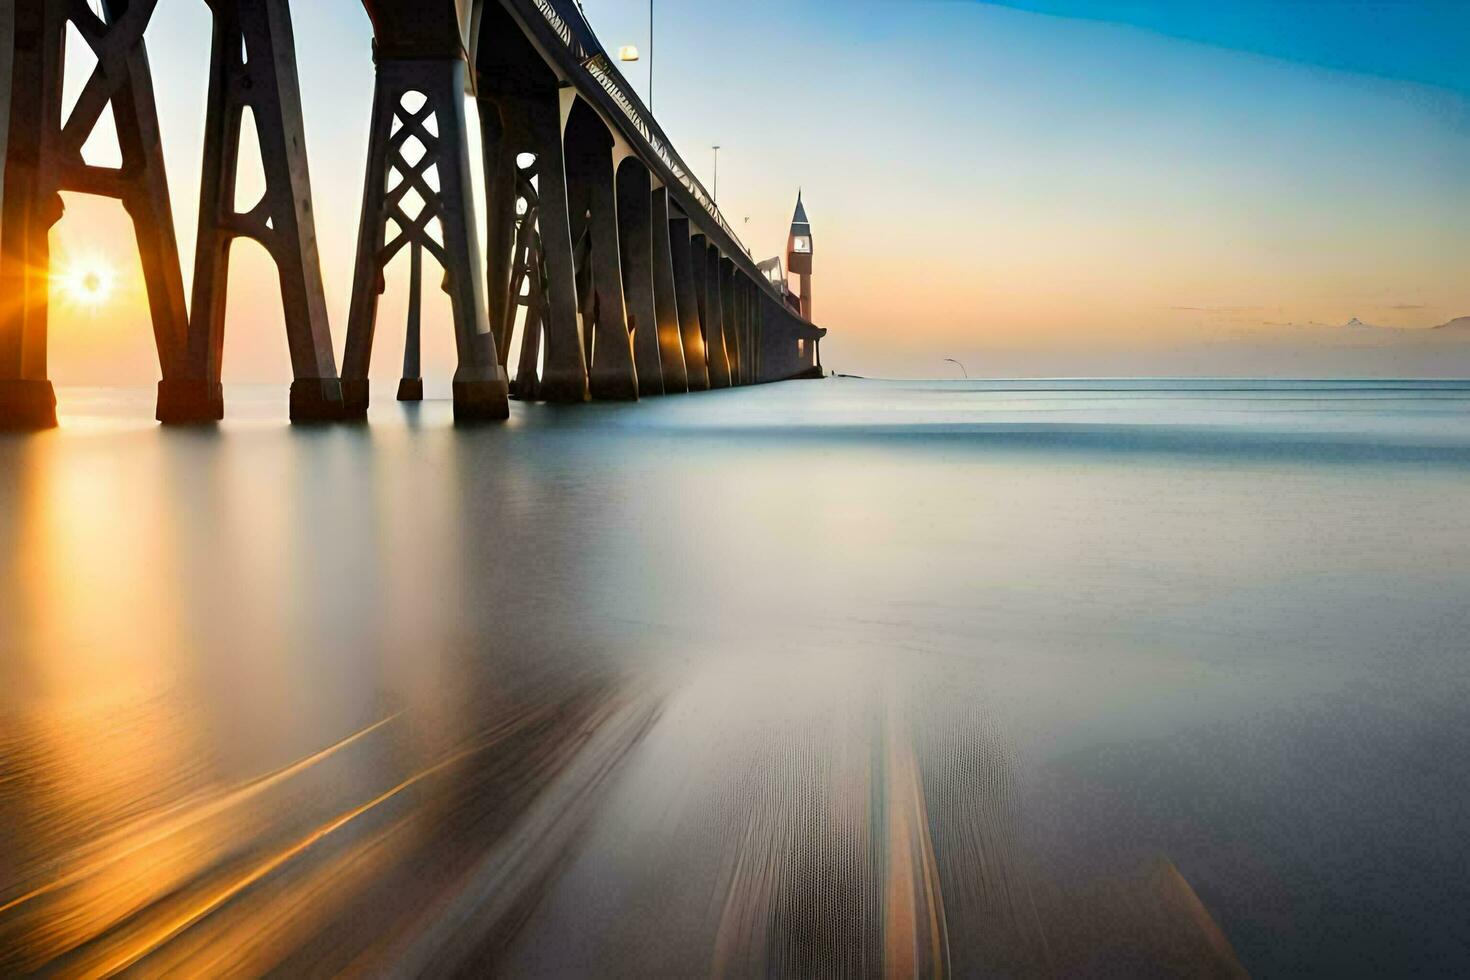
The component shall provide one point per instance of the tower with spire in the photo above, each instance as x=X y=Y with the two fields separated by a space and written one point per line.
x=799 y=255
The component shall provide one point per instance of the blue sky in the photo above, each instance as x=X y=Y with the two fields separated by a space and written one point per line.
x=1423 y=41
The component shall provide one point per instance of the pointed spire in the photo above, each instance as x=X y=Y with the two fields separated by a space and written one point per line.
x=799 y=218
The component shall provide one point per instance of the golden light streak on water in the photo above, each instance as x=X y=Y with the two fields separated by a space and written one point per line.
x=915 y=941
x=136 y=948
x=123 y=843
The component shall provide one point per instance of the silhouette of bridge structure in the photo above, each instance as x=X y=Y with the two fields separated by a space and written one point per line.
x=603 y=251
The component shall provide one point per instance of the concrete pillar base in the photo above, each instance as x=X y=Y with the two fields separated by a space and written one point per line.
x=481 y=401
x=316 y=400
x=190 y=402
x=569 y=388
x=411 y=390
x=27 y=405
x=354 y=400
x=614 y=387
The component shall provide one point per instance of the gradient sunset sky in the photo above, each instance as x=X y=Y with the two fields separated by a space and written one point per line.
x=1045 y=187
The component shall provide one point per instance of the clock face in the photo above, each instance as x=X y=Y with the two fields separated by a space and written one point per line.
x=803 y=245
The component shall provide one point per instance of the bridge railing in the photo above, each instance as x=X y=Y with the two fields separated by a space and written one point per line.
x=583 y=45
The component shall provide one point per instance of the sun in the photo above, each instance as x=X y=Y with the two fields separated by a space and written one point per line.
x=88 y=281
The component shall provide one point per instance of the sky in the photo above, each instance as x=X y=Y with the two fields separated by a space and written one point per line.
x=1038 y=187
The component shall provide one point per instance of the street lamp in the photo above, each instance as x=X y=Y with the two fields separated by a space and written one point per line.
x=629 y=52
x=717 y=174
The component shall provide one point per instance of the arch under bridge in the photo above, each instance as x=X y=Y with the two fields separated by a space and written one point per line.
x=605 y=256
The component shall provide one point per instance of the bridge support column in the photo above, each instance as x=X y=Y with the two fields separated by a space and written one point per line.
x=748 y=293
x=43 y=157
x=759 y=362
x=635 y=238
x=764 y=303
x=498 y=153
x=741 y=332
x=531 y=123
x=699 y=262
x=592 y=196
x=410 y=92
x=253 y=66
x=747 y=321
x=737 y=324
x=688 y=295
x=411 y=385
x=666 y=302
x=728 y=314
x=526 y=288
x=23 y=404
x=527 y=384
x=714 y=325
x=519 y=98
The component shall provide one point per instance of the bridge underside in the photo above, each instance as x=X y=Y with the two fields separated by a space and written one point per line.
x=606 y=261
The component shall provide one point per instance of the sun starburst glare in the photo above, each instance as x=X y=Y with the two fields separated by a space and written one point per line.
x=88 y=281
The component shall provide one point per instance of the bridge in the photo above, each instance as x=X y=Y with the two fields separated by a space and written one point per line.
x=604 y=254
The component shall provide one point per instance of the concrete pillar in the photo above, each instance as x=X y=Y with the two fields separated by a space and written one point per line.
x=729 y=314
x=411 y=385
x=745 y=335
x=737 y=305
x=7 y=61
x=499 y=150
x=743 y=320
x=253 y=66
x=588 y=146
x=43 y=158
x=748 y=331
x=521 y=103
x=480 y=388
x=525 y=252
x=714 y=326
x=687 y=288
x=762 y=308
x=759 y=327
x=527 y=383
x=666 y=301
x=579 y=208
x=27 y=400
x=635 y=238
x=564 y=370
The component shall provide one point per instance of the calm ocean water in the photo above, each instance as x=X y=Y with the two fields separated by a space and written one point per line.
x=826 y=677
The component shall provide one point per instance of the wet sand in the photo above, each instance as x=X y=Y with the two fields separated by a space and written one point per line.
x=835 y=678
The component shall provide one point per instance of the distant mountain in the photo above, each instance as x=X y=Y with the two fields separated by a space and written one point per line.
x=1356 y=324
x=1459 y=324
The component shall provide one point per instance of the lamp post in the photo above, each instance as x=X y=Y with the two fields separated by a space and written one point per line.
x=717 y=174
x=629 y=52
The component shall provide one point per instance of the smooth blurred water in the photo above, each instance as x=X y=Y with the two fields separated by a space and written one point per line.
x=845 y=676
